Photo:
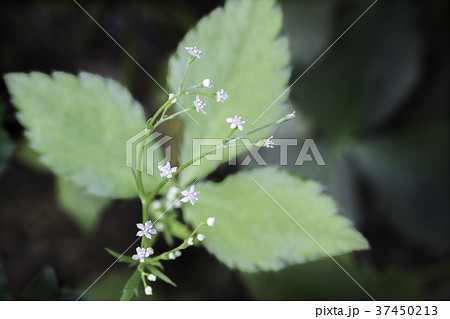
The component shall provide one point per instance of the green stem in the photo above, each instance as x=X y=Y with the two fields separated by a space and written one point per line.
x=162 y=120
x=176 y=184
x=181 y=168
x=251 y=132
x=200 y=93
x=191 y=59
x=145 y=242
x=183 y=245
x=150 y=125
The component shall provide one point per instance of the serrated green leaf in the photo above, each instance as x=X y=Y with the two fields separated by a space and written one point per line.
x=85 y=209
x=131 y=286
x=158 y=273
x=243 y=55
x=252 y=232
x=122 y=258
x=80 y=126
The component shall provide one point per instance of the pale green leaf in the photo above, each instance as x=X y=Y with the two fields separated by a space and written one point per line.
x=243 y=55
x=84 y=208
x=131 y=286
x=80 y=126
x=252 y=232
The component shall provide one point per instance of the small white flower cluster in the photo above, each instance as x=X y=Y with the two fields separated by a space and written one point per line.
x=174 y=255
x=269 y=143
x=146 y=230
x=207 y=83
x=167 y=170
x=287 y=117
x=221 y=96
x=291 y=115
x=236 y=122
x=142 y=253
x=199 y=104
x=196 y=53
x=148 y=289
x=190 y=195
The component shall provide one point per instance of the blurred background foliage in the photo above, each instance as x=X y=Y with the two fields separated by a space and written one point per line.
x=376 y=105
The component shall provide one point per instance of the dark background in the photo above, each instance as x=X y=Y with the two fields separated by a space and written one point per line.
x=376 y=105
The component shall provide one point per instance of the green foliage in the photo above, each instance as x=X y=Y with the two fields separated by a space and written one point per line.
x=6 y=145
x=245 y=57
x=120 y=257
x=29 y=157
x=398 y=173
x=324 y=280
x=253 y=233
x=158 y=273
x=45 y=287
x=367 y=74
x=84 y=208
x=79 y=125
x=131 y=287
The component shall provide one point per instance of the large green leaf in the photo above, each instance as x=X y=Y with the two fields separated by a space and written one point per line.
x=84 y=208
x=80 y=126
x=252 y=232
x=243 y=55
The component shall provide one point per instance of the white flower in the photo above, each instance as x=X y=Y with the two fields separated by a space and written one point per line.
x=150 y=251
x=236 y=122
x=207 y=83
x=269 y=142
x=178 y=253
x=148 y=291
x=171 y=95
x=156 y=205
x=190 y=195
x=141 y=254
x=190 y=241
x=172 y=256
x=221 y=96
x=211 y=221
x=200 y=237
x=151 y=277
x=172 y=194
x=167 y=170
x=199 y=105
x=194 y=51
x=291 y=115
x=146 y=230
